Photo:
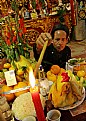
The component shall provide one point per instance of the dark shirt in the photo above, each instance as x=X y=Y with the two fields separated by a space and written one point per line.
x=53 y=57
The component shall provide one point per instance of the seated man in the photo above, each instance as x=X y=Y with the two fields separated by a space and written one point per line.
x=57 y=53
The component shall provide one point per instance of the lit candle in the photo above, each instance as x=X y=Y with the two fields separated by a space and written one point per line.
x=36 y=97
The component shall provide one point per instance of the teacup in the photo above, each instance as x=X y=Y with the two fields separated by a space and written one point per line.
x=53 y=115
x=29 y=118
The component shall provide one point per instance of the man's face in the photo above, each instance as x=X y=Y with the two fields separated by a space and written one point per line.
x=60 y=40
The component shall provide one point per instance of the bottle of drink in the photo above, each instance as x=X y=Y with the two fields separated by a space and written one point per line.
x=26 y=10
x=43 y=82
x=34 y=14
x=41 y=74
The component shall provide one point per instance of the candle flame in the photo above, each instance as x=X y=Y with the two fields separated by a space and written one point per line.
x=31 y=77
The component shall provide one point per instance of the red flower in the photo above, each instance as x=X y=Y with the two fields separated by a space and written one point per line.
x=7 y=34
x=20 y=34
x=24 y=30
x=8 y=42
x=65 y=77
x=21 y=22
x=14 y=39
x=21 y=27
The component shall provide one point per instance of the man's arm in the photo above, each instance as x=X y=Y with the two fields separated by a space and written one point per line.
x=37 y=47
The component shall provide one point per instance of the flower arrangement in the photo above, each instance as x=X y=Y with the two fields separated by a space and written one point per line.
x=14 y=42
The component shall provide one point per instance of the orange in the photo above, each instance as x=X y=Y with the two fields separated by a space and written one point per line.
x=20 y=72
x=7 y=65
x=10 y=96
x=81 y=73
x=55 y=69
x=51 y=77
x=11 y=68
x=20 y=85
x=61 y=71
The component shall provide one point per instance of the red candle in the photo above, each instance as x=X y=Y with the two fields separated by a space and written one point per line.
x=36 y=98
x=73 y=17
x=38 y=105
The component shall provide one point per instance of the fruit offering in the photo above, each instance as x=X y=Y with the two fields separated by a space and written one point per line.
x=20 y=85
x=66 y=90
x=4 y=91
x=54 y=71
x=21 y=72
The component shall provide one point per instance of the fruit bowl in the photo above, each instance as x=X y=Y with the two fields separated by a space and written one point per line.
x=75 y=64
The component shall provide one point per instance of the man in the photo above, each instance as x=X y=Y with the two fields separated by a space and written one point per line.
x=57 y=53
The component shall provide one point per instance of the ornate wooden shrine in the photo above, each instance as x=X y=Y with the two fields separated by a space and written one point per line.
x=36 y=26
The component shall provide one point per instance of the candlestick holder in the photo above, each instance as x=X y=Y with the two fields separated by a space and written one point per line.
x=34 y=89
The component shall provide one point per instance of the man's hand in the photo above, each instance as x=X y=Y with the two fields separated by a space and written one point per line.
x=41 y=40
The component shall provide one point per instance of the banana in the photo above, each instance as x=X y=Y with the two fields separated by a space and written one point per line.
x=22 y=62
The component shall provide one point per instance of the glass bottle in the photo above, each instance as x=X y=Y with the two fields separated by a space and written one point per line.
x=41 y=74
x=42 y=82
x=26 y=10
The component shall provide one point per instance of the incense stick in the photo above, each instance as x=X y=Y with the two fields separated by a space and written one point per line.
x=40 y=58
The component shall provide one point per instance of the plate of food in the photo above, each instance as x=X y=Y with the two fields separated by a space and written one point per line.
x=75 y=61
x=76 y=103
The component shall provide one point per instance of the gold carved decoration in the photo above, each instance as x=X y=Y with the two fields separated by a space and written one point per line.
x=37 y=26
